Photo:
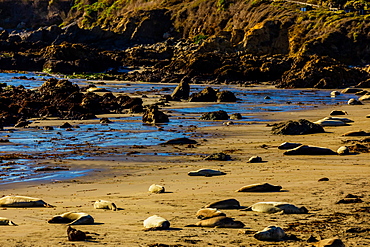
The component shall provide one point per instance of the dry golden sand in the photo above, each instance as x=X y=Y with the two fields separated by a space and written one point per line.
x=125 y=180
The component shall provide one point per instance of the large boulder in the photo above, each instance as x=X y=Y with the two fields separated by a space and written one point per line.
x=320 y=72
x=300 y=127
x=217 y=115
x=182 y=91
x=206 y=95
x=153 y=115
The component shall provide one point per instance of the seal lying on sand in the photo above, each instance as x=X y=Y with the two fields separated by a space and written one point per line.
x=225 y=204
x=206 y=172
x=156 y=189
x=309 y=150
x=206 y=213
x=102 y=204
x=266 y=187
x=274 y=207
x=330 y=242
x=73 y=218
x=6 y=222
x=156 y=222
x=22 y=202
x=219 y=222
x=270 y=233
x=75 y=235
x=289 y=145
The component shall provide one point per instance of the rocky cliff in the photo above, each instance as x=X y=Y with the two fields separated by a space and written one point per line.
x=233 y=41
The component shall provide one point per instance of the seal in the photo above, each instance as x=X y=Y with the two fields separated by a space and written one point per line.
x=73 y=218
x=289 y=145
x=156 y=189
x=270 y=233
x=219 y=222
x=225 y=204
x=75 y=235
x=329 y=242
x=274 y=207
x=330 y=122
x=6 y=222
x=309 y=150
x=265 y=187
x=102 y=204
x=254 y=159
x=206 y=173
x=156 y=222
x=206 y=213
x=343 y=119
x=343 y=150
x=22 y=202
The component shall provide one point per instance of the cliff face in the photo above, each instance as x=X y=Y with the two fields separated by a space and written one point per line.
x=253 y=40
x=259 y=27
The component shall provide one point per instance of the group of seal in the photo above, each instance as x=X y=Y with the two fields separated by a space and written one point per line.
x=275 y=207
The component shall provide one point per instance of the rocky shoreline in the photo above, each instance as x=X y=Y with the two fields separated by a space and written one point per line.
x=276 y=45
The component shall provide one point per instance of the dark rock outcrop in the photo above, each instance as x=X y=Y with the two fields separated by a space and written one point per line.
x=153 y=115
x=300 y=127
x=217 y=115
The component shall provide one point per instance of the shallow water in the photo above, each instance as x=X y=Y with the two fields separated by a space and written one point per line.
x=129 y=131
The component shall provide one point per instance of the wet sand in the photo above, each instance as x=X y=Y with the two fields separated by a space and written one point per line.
x=125 y=179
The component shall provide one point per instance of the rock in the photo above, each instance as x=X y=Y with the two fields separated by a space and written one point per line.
x=363 y=92
x=265 y=187
x=105 y=120
x=66 y=125
x=206 y=173
x=356 y=133
x=236 y=116
x=323 y=179
x=309 y=150
x=218 y=156
x=217 y=115
x=154 y=116
x=206 y=95
x=156 y=189
x=337 y=112
x=226 y=96
x=300 y=127
x=354 y=102
x=180 y=141
x=270 y=233
x=182 y=91
x=343 y=150
x=316 y=71
x=289 y=145
x=334 y=93
x=349 y=200
x=330 y=242
x=351 y=90
x=365 y=97
x=255 y=159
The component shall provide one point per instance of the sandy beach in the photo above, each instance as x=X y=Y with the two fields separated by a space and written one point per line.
x=125 y=179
